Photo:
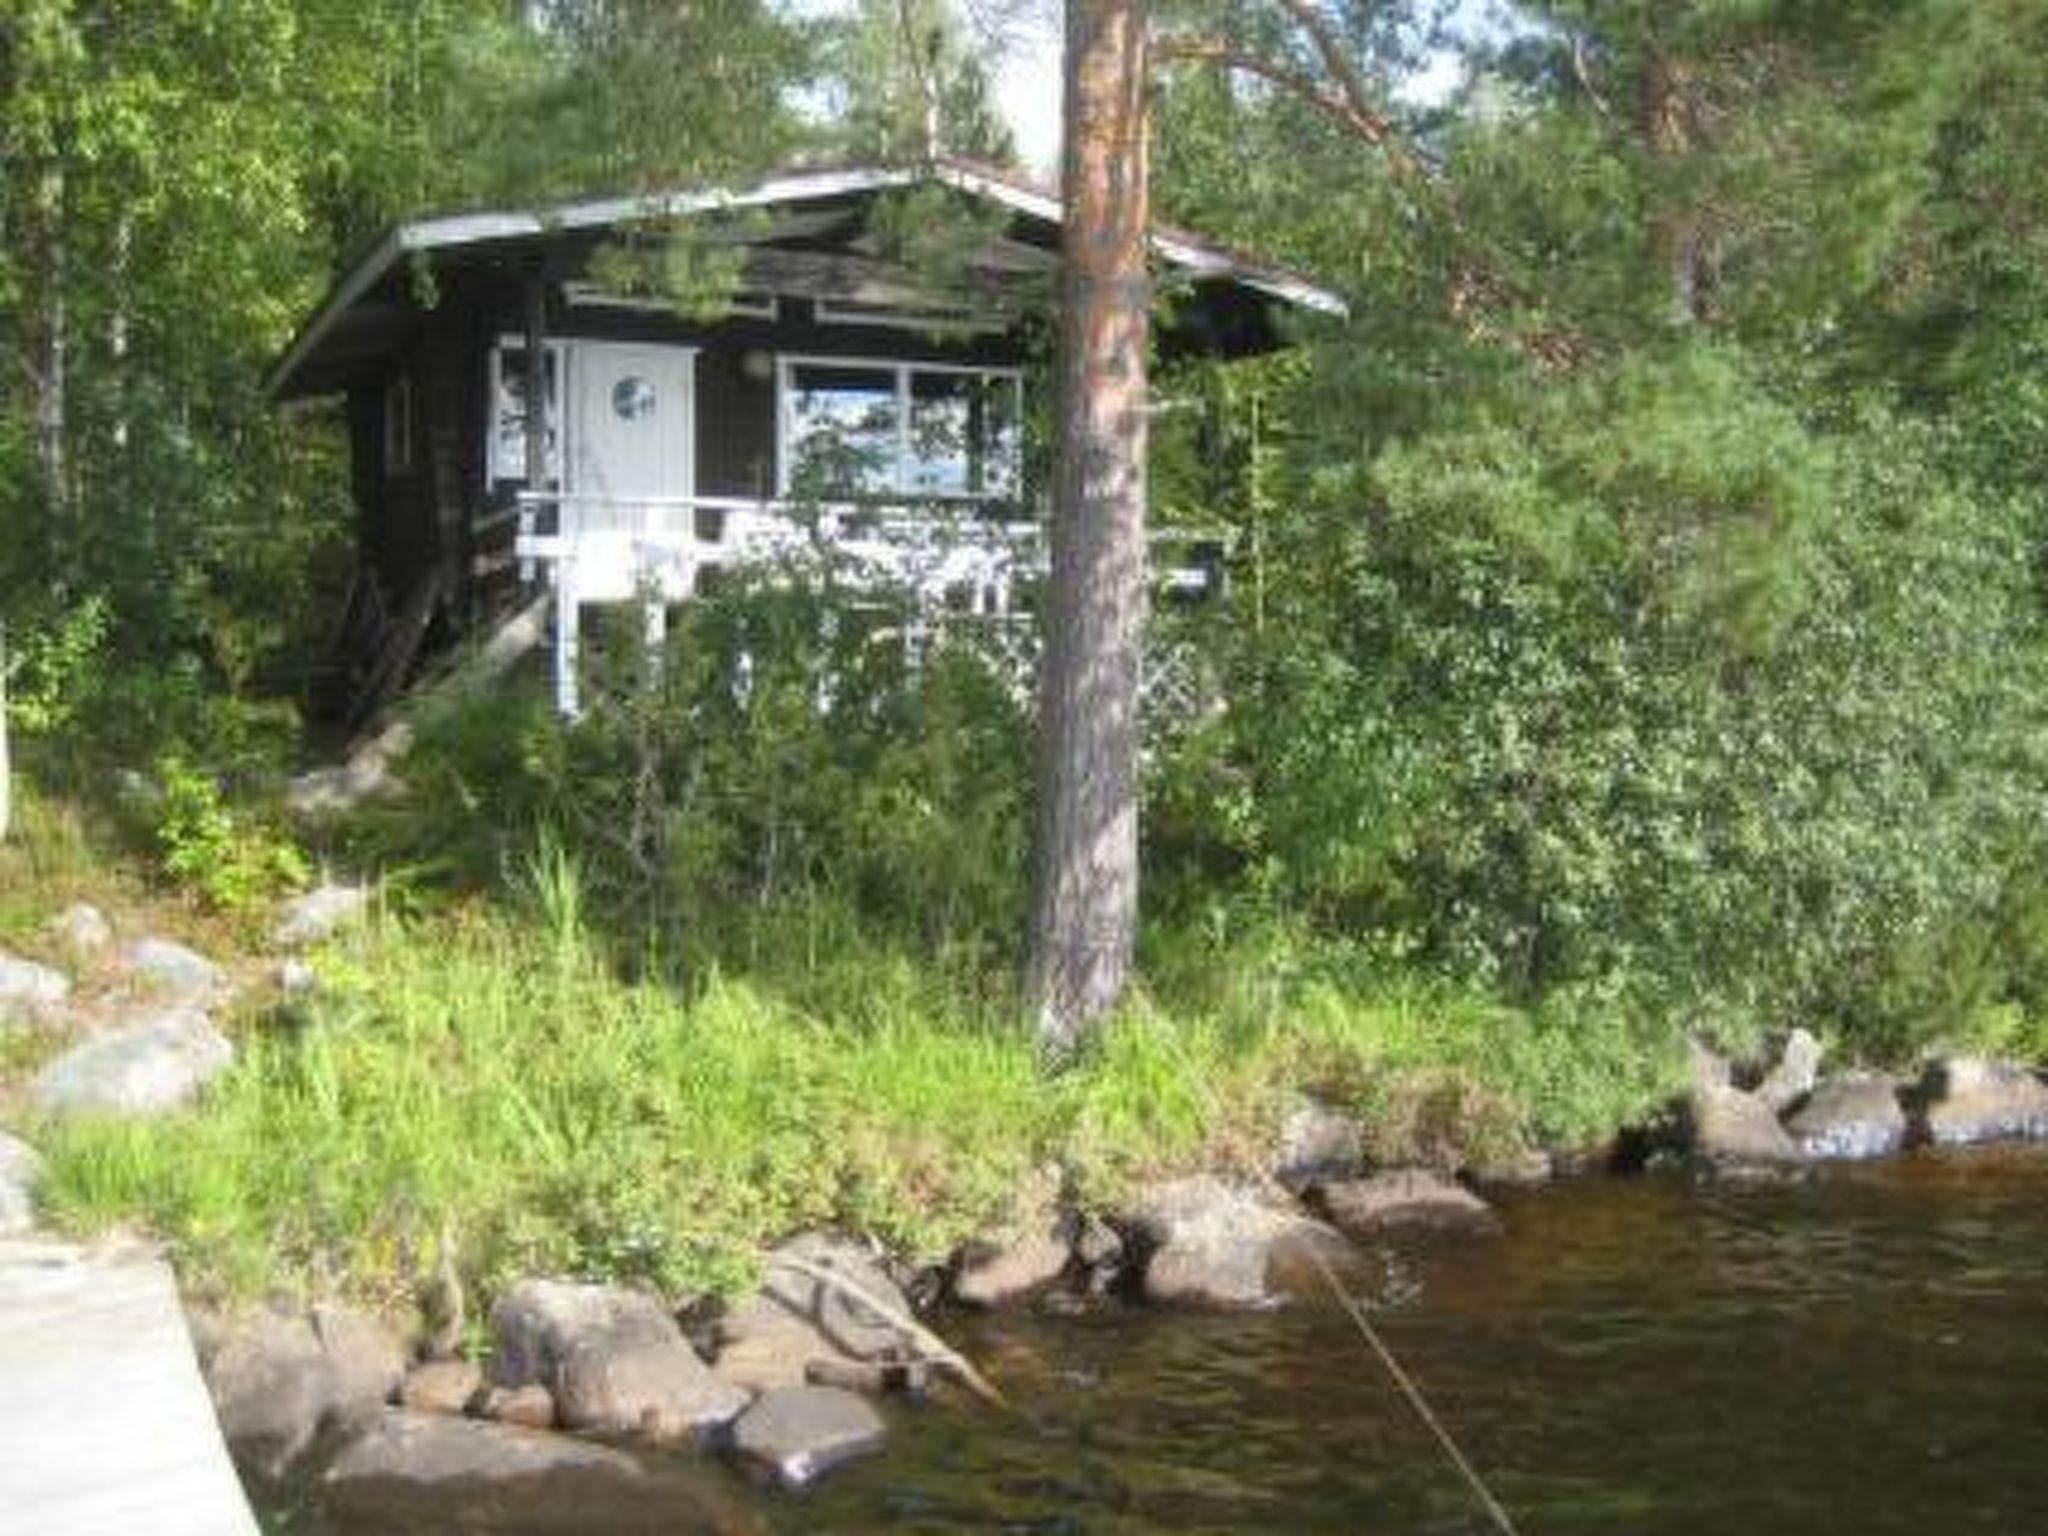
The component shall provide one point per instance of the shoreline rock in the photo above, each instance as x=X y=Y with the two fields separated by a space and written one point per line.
x=1850 y=1118
x=433 y=1448
x=29 y=991
x=172 y=972
x=151 y=1067
x=1406 y=1199
x=1207 y=1242
x=798 y=1434
x=282 y=1383
x=770 y=1339
x=1966 y=1100
x=1731 y=1131
x=613 y=1361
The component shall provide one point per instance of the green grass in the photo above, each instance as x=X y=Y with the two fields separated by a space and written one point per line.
x=484 y=1082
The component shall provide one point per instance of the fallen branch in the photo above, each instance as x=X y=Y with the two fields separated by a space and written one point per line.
x=934 y=1347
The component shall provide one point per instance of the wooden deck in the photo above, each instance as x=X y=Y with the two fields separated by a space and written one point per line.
x=106 y=1428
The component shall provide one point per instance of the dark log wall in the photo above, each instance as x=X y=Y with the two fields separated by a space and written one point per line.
x=426 y=515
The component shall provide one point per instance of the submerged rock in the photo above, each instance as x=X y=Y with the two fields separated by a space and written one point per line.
x=435 y=1448
x=1021 y=1259
x=280 y=1383
x=29 y=990
x=531 y=1406
x=1215 y=1244
x=444 y=1386
x=1853 y=1116
x=170 y=969
x=1793 y=1078
x=368 y=1361
x=20 y=1168
x=613 y=1360
x=1732 y=1131
x=770 y=1339
x=428 y=1472
x=1404 y=1199
x=147 y=1068
x=797 y=1434
x=1967 y=1100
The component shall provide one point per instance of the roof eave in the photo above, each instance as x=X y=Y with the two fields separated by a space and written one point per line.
x=475 y=228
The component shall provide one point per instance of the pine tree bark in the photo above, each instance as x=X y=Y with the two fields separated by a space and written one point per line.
x=1085 y=897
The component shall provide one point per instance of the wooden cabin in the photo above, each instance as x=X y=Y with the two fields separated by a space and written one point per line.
x=827 y=392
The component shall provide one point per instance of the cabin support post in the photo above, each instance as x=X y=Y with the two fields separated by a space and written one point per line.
x=536 y=297
x=568 y=614
x=654 y=630
x=567 y=618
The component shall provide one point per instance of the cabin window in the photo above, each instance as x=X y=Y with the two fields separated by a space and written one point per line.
x=507 y=445
x=908 y=429
x=398 y=426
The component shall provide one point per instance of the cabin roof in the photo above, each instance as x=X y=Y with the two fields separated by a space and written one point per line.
x=1201 y=261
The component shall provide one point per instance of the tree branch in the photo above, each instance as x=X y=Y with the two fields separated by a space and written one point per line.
x=1371 y=127
x=1339 y=63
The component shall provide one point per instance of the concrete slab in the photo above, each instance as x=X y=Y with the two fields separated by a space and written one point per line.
x=105 y=1427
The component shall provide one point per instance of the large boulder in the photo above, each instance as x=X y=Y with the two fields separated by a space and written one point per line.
x=437 y=1448
x=28 y=990
x=1405 y=1199
x=1853 y=1116
x=319 y=914
x=445 y=1386
x=1209 y=1243
x=770 y=1339
x=430 y=1472
x=1795 y=1074
x=1733 y=1131
x=146 y=1068
x=369 y=1363
x=1316 y=1143
x=797 y=1434
x=20 y=1168
x=613 y=1359
x=1967 y=1100
x=282 y=1383
x=167 y=969
x=1015 y=1266
x=1027 y=1254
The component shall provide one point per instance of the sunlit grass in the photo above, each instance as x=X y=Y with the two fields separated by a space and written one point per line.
x=487 y=1084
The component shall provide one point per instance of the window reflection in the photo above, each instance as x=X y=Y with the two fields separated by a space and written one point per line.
x=874 y=429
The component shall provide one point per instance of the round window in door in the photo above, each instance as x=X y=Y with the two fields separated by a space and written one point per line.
x=633 y=398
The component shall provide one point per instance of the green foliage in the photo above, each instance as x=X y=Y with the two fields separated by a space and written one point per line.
x=490 y=1084
x=1656 y=690
x=230 y=861
x=783 y=753
x=49 y=668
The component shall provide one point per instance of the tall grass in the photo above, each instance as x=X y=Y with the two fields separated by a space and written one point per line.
x=487 y=1083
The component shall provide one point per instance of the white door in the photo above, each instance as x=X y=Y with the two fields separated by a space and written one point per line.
x=632 y=455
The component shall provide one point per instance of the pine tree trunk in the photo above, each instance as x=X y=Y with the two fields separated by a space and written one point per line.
x=1085 y=898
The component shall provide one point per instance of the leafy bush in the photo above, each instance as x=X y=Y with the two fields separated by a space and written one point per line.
x=1648 y=687
x=227 y=857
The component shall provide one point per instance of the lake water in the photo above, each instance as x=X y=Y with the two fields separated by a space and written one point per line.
x=1863 y=1351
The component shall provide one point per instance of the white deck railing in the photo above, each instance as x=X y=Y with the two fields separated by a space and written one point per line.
x=598 y=549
